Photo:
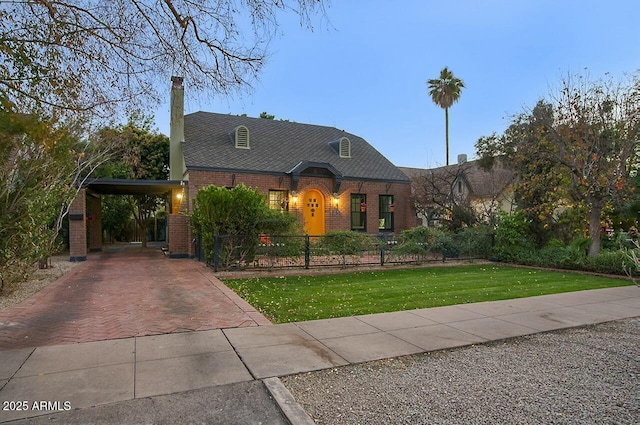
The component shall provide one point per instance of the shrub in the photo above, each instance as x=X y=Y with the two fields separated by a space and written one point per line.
x=610 y=262
x=344 y=243
x=573 y=257
x=633 y=265
x=447 y=245
x=420 y=241
x=555 y=257
x=240 y=213
x=476 y=241
x=38 y=166
x=416 y=241
x=512 y=236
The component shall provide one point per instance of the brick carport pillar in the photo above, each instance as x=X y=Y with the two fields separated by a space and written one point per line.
x=94 y=219
x=78 y=227
x=180 y=245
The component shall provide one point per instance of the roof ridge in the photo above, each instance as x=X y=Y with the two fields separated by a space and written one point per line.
x=281 y=121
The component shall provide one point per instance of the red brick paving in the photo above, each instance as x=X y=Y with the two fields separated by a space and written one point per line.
x=125 y=294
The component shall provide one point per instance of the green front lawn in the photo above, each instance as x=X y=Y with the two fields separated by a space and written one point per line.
x=299 y=298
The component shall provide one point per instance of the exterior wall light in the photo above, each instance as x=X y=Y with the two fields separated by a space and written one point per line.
x=175 y=206
x=294 y=197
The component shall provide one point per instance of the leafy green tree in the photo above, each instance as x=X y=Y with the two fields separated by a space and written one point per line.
x=241 y=213
x=539 y=183
x=445 y=91
x=628 y=213
x=580 y=148
x=41 y=159
x=140 y=153
x=267 y=116
x=116 y=216
x=596 y=136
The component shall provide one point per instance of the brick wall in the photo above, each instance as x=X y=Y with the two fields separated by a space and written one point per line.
x=342 y=220
x=335 y=218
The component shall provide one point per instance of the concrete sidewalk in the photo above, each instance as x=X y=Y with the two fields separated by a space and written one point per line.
x=82 y=375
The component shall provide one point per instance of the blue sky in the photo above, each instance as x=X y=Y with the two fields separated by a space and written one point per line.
x=364 y=67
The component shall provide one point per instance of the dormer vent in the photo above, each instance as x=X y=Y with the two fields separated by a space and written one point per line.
x=241 y=137
x=342 y=146
x=345 y=148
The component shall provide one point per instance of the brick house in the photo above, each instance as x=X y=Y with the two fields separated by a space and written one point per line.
x=330 y=179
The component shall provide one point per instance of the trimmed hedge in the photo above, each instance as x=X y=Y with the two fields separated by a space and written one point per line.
x=609 y=262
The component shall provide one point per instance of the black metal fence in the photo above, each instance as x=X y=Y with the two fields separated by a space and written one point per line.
x=232 y=252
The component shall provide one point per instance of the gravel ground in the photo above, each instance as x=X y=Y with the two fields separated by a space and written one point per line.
x=587 y=375
x=14 y=293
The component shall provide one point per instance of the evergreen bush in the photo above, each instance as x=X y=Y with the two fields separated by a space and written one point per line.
x=512 y=237
x=241 y=215
x=419 y=241
x=344 y=243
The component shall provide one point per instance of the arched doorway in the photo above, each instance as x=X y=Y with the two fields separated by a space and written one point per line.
x=313 y=212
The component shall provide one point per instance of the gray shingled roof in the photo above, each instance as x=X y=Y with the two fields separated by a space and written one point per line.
x=277 y=147
x=481 y=182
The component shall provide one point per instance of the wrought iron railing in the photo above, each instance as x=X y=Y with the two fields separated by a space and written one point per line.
x=233 y=252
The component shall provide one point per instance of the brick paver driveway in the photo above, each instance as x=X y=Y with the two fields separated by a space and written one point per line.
x=124 y=294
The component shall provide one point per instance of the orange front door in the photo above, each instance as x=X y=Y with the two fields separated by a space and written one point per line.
x=313 y=212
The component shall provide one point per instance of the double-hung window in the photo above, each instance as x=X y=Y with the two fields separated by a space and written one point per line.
x=386 y=212
x=359 y=212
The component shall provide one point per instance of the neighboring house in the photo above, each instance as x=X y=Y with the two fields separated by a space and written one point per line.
x=330 y=179
x=436 y=191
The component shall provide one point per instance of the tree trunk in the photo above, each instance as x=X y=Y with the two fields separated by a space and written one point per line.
x=446 y=131
x=594 y=226
x=143 y=230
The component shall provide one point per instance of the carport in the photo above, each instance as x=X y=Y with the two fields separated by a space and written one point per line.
x=85 y=214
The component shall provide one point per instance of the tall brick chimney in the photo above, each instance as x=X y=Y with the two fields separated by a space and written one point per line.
x=176 y=132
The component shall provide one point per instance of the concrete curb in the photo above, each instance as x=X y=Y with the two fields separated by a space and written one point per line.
x=294 y=413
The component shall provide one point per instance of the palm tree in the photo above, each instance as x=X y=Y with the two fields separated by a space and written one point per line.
x=445 y=91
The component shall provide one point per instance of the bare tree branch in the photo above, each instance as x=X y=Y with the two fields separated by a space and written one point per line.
x=98 y=56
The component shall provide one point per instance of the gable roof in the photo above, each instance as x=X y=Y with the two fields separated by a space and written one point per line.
x=278 y=147
x=481 y=183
